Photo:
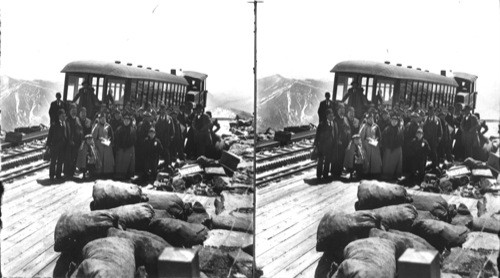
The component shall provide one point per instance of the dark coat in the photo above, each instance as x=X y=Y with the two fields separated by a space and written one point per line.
x=470 y=139
x=125 y=137
x=326 y=137
x=55 y=106
x=57 y=136
x=165 y=130
x=323 y=106
x=392 y=137
x=419 y=150
x=433 y=130
x=74 y=132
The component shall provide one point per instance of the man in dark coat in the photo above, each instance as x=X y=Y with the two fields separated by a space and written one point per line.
x=419 y=150
x=323 y=106
x=433 y=133
x=74 y=134
x=409 y=134
x=55 y=106
x=356 y=99
x=152 y=150
x=201 y=131
x=470 y=139
x=142 y=132
x=384 y=120
x=56 y=143
x=165 y=131
x=324 y=142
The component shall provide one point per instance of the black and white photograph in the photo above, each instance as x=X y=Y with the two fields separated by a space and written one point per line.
x=127 y=138
x=377 y=129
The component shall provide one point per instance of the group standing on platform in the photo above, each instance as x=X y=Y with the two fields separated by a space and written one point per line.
x=113 y=141
x=387 y=143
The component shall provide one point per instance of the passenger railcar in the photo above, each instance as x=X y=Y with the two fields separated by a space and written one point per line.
x=125 y=83
x=395 y=83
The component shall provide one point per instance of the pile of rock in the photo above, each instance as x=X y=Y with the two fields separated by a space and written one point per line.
x=127 y=229
x=388 y=220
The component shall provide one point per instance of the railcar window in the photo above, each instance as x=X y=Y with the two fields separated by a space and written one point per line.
x=73 y=85
x=140 y=91
x=343 y=84
x=133 y=91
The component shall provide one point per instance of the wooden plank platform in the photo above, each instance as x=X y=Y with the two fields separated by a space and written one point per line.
x=288 y=215
x=31 y=208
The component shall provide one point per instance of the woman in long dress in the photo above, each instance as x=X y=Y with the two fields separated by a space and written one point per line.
x=103 y=138
x=391 y=144
x=370 y=136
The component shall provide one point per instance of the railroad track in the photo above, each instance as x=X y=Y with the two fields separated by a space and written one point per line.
x=19 y=172
x=276 y=163
x=21 y=155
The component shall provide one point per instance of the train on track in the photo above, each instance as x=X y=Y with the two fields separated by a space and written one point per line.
x=127 y=83
x=397 y=84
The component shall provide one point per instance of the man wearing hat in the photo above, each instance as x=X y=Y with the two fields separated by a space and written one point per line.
x=201 y=131
x=324 y=143
x=74 y=134
x=419 y=150
x=152 y=150
x=177 y=146
x=433 y=133
x=88 y=99
x=356 y=99
x=56 y=143
x=323 y=106
x=55 y=106
x=409 y=134
x=142 y=133
x=165 y=131
x=470 y=139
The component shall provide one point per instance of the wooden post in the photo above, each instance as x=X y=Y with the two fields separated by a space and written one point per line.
x=179 y=262
x=419 y=264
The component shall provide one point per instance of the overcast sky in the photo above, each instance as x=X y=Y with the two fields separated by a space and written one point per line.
x=299 y=39
x=215 y=37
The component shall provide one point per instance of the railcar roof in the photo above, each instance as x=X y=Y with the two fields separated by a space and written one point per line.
x=121 y=70
x=391 y=71
x=194 y=74
x=466 y=76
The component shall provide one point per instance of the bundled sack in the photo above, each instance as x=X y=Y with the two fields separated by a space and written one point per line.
x=440 y=234
x=374 y=194
x=337 y=229
x=170 y=202
x=75 y=229
x=463 y=216
x=179 y=233
x=487 y=224
x=107 y=257
x=423 y=214
x=147 y=246
x=402 y=240
x=161 y=213
x=110 y=194
x=370 y=257
x=434 y=204
x=399 y=217
x=135 y=216
x=233 y=223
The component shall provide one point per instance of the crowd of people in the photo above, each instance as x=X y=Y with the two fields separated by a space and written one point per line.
x=373 y=141
x=114 y=141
